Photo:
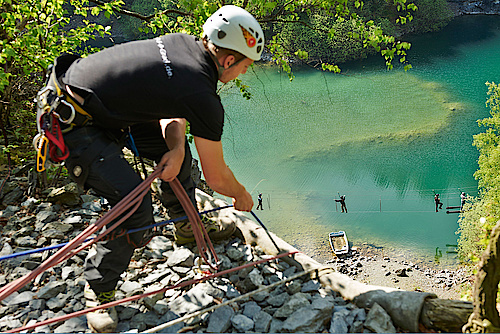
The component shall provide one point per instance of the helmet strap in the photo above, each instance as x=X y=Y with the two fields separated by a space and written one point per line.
x=220 y=68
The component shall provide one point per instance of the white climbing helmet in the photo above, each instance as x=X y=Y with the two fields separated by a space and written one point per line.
x=234 y=28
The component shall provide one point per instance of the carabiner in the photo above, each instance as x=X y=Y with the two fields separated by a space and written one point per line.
x=41 y=151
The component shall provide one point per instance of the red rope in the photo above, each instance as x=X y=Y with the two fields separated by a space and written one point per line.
x=134 y=198
x=136 y=297
x=199 y=231
x=69 y=250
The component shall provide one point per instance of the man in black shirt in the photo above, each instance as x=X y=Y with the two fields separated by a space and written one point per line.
x=151 y=88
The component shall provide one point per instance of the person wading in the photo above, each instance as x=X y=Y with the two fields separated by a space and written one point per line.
x=149 y=89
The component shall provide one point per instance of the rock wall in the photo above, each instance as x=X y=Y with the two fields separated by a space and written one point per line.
x=475 y=7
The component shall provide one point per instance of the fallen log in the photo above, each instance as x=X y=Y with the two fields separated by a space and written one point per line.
x=445 y=315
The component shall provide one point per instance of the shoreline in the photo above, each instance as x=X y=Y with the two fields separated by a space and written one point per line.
x=382 y=266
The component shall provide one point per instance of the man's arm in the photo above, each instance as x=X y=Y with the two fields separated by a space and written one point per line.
x=218 y=175
x=174 y=132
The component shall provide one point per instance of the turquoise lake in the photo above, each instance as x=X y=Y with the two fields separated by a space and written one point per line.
x=387 y=140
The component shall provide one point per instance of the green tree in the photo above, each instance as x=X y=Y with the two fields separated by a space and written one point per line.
x=481 y=214
x=34 y=32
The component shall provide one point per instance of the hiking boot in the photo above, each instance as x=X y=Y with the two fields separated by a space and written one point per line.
x=216 y=229
x=100 y=321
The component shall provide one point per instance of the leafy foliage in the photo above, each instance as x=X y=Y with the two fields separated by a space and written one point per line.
x=32 y=34
x=432 y=15
x=481 y=214
x=299 y=29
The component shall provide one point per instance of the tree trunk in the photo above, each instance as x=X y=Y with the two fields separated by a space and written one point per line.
x=445 y=315
x=485 y=315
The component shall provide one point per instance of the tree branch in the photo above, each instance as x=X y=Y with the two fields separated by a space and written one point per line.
x=140 y=16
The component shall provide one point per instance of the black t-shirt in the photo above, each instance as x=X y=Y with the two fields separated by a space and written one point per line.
x=166 y=77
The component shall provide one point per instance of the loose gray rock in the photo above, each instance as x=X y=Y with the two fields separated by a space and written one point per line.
x=234 y=253
x=253 y=280
x=250 y=309
x=20 y=298
x=170 y=316
x=45 y=217
x=68 y=195
x=262 y=322
x=10 y=211
x=181 y=257
x=379 y=321
x=160 y=243
x=131 y=288
x=307 y=320
x=294 y=287
x=193 y=300
x=338 y=323
x=242 y=323
x=311 y=286
x=295 y=302
x=51 y=289
x=220 y=319
x=278 y=300
x=73 y=325
x=58 y=302
x=13 y=197
x=260 y=296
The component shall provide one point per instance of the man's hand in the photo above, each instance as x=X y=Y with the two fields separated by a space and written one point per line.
x=243 y=202
x=172 y=160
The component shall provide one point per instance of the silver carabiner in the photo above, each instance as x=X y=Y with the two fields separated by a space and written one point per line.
x=72 y=117
x=42 y=98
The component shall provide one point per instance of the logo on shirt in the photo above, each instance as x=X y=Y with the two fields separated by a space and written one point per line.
x=164 y=57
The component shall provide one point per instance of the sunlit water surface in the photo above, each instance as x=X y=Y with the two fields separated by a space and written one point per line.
x=387 y=140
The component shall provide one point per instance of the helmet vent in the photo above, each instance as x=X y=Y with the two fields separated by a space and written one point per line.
x=221 y=34
x=259 y=48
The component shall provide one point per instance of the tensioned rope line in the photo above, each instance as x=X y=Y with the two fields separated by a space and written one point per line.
x=38 y=250
x=133 y=199
x=212 y=308
x=136 y=297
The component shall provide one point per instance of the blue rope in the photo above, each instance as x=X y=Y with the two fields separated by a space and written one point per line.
x=265 y=229
x=10 y=256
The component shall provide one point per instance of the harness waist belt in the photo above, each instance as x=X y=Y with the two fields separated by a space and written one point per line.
x=68 y=110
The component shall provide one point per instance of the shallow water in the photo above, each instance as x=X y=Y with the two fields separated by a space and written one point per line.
x=386 y=139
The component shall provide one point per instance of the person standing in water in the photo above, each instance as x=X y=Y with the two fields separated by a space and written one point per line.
x=259 y=205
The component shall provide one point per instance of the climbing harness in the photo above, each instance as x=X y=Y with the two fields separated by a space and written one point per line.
x=57 y=113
